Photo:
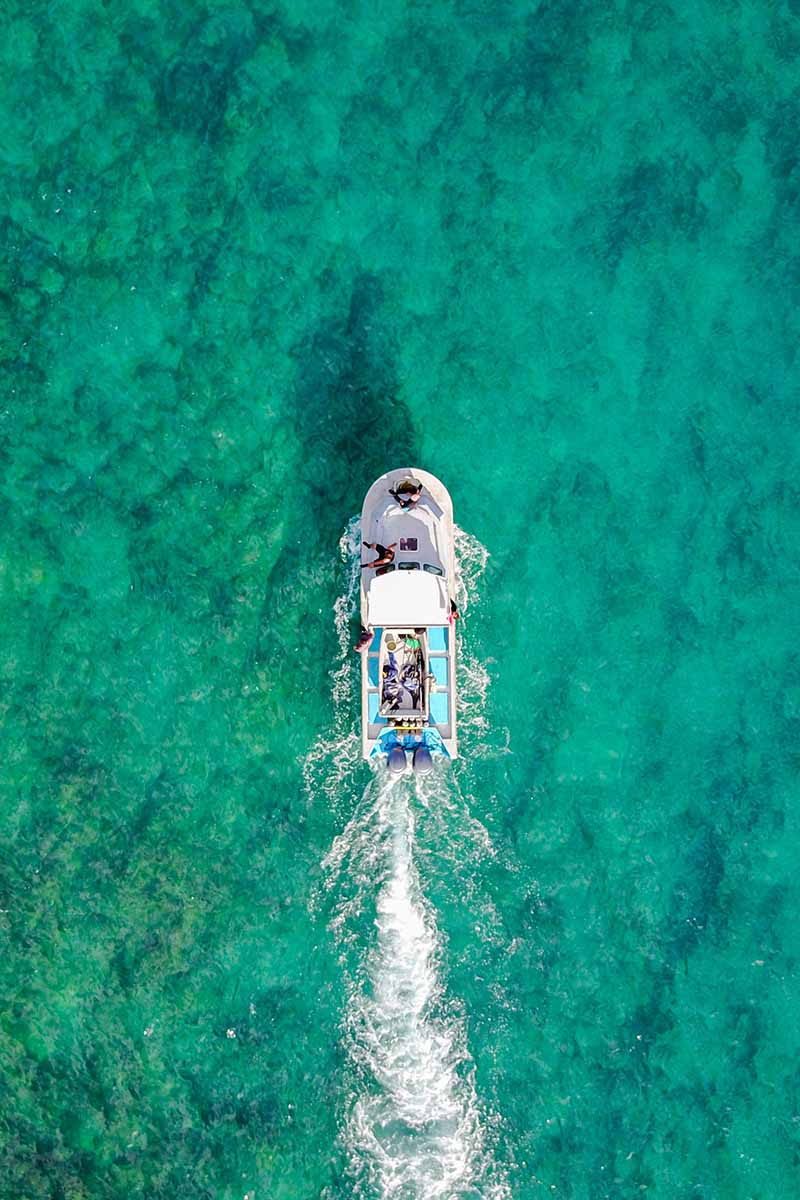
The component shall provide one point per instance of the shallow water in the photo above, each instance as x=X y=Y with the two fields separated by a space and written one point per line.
x=252 y=256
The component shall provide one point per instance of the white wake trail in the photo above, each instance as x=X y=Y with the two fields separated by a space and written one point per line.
x=349 y=550
x=471 y=560
x=414 y=1130
x=333 y=760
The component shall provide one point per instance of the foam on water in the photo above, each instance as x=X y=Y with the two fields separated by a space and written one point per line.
x=471 y=559
x=449 y=815
x=357 y=858
x=413 y=1128
x=476 y=738
x=331 y=763
x=344 y=605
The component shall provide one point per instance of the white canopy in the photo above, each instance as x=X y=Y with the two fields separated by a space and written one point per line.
x=408 y=598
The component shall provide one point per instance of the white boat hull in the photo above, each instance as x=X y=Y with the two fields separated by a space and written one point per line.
x=408 y=603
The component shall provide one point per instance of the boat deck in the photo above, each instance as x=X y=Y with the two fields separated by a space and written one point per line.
x=440 y=666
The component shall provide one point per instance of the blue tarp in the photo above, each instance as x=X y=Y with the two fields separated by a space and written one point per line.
x=431 y=738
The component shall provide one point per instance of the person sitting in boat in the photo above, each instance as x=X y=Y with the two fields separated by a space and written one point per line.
x=385 y=554
x=407 y=493
x=364 y=639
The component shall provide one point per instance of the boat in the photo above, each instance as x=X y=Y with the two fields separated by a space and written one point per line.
x=408 y=614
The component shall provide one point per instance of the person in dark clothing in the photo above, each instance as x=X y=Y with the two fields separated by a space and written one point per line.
x=385 y=554
x=407 y=493
x=364 y=639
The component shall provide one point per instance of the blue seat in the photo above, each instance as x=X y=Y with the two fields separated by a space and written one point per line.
x=439 y=670
x=440 y=707
x=376 y=642
x=372 y=671
x=372 y=701
x=437 y=637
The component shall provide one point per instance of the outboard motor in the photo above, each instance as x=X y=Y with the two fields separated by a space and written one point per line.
x=422 y=761
x=396 y=762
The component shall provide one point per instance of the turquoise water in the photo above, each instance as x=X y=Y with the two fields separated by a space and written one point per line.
x=252 y=257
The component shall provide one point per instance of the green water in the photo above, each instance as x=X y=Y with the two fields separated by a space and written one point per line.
x=253 y=256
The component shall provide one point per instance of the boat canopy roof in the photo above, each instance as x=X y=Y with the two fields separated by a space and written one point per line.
x=408 y=598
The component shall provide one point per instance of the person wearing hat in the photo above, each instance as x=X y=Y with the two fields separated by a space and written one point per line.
x=407 y=493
